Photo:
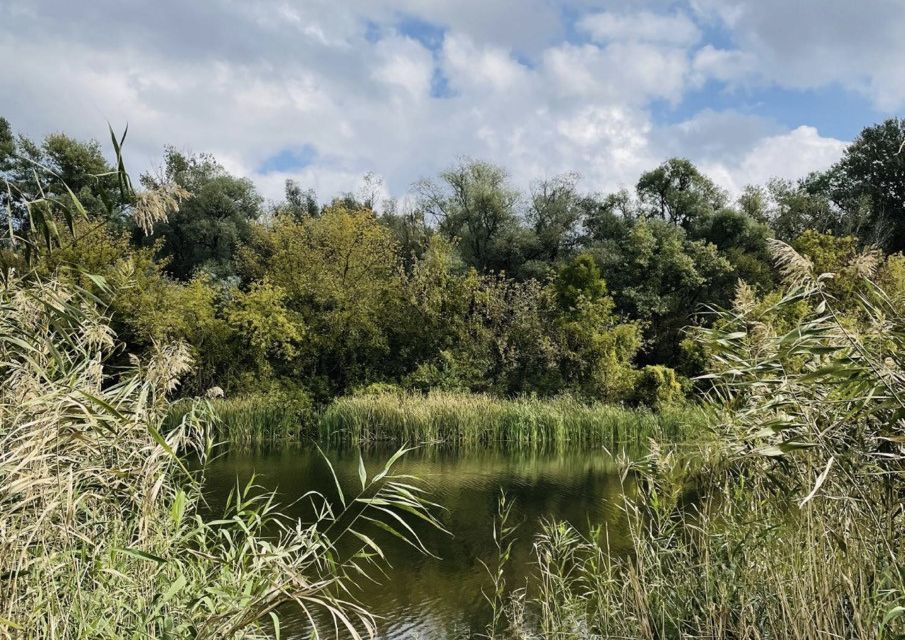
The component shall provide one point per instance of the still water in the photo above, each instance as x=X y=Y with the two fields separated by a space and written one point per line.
x=424 y=597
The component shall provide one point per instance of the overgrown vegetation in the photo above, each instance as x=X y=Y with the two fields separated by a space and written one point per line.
x=473 y=419
x=791 y=524
x=477 y=315
x=100 y=532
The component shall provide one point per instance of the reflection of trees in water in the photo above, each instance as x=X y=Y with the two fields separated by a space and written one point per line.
x=445 y=595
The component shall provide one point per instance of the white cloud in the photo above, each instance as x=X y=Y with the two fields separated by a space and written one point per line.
x=795 y=153
x=405 y=64
x=471 y=67
x=724 y=65
x=674 y=29
x=628 y=73
x=808 y=44
x=353 y=81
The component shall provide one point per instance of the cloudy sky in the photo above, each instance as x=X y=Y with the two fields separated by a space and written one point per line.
x=324 y=91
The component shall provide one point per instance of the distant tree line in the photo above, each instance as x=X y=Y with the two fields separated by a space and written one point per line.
x=470 y=285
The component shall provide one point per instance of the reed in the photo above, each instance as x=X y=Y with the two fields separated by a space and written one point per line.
x=477 y=419
x=101 y=534
x=790 y=523
x=256 y=419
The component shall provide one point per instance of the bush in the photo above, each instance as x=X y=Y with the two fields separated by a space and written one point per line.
x=656 y=386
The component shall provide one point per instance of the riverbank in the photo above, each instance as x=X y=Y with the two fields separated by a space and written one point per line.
x=476 y=419
x=455 y=419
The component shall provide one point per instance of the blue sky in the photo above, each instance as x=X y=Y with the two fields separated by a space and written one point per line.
x=326 y=92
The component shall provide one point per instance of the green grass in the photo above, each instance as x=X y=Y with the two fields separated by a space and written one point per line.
x=474 y=419
x=255 y=419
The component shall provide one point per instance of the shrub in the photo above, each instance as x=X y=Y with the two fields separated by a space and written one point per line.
x=656 y=386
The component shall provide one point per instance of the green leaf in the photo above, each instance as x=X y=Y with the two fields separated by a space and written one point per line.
x=141 y=555
x=339 y=490
x=173 y=589
x=362 y=473
x=892 y=614
x=4 y=622
x=276 y=625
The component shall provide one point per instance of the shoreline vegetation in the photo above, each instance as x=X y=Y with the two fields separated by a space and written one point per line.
x=787 y=520
x=101 y=532
x=477 y=419
x=447 y=419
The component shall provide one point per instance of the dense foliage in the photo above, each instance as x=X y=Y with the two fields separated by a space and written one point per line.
x=790 y=524
x=472 y=285
x=783 y=311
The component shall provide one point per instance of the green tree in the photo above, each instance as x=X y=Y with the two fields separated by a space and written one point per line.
x=554 y=215
x=661 y=278
x=210 y=225
x=45 y=189
x=791 y=208
x=340 y=274
x=269 y=333
x=579 y=279
x=475 y=206
x=597 y=347
x=868 y=184
x=742 y=240
x=410 y=229
x=677 y=192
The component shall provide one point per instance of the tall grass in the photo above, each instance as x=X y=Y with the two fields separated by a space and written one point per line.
x=791 y=525
x=477 y=419
x=256 y=419
x=100 y=531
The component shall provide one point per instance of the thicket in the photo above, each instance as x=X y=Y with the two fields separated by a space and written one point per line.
x=790 y=523
x=101 y=532
x=471 y=285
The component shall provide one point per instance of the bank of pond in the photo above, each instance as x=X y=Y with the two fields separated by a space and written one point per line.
x=448 y=419
x=560 y=519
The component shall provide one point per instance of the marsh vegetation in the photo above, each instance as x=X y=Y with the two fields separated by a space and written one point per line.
x=694 y=407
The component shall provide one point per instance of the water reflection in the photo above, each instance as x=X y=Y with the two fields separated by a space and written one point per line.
x=424 y=597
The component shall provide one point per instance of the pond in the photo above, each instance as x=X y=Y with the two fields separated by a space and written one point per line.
x=425 y=597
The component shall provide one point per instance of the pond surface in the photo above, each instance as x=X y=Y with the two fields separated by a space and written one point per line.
x=424 y=597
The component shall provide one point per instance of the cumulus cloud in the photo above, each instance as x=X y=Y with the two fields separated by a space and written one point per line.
x=811 y=43
x=404 y=87
x=795 y=153
x=645 y=26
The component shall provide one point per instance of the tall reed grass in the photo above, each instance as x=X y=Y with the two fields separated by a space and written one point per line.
x=100 y=530
x=477 y=419
x=256 y=419
x=791 y=524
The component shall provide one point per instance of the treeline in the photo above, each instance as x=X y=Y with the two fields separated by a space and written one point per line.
x=469 y=285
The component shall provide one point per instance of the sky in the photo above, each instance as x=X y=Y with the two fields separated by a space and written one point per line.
x=325 y=91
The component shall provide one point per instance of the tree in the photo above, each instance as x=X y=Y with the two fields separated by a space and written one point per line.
x=299 y=202
x=596 y=347
x=475 y=206
x=268 y=331
x=210 y=225
x=580 y=279
x=554 y=215
x=413 y=235
x=790 y=208
x=869 y=182
x=676 y=191
x=661 y=278
x=742 y=241
x=45 y=189
x=340 y=275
